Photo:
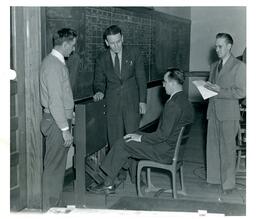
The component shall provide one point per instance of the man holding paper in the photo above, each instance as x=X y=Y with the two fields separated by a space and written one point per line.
x=228 y=79
x=205 y=92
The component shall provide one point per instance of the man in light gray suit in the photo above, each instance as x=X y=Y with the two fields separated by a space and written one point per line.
x=228 y=79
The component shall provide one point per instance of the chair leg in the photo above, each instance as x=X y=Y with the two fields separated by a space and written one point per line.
x=174 y=190
x=183 y=190
x=150 y=186
x=149 y=178
x=139 y=168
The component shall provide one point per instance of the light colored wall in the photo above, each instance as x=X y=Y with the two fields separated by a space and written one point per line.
x=206 y=22
x=183 y=12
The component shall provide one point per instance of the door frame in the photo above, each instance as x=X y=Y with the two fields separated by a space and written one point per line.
x=26 y=60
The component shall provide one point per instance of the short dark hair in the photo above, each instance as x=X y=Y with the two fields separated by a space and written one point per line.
x=112 y=30
x=226 y=36
x=63 y=35
x=176 y=74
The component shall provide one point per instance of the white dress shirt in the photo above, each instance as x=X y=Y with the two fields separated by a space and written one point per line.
x=58 y=55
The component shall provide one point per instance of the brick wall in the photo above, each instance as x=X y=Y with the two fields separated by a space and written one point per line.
x=164 y=40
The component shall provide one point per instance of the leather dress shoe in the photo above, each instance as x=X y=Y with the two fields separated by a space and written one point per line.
x=102 y=188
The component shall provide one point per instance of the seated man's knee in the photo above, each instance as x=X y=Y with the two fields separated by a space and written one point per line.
x=119 y=143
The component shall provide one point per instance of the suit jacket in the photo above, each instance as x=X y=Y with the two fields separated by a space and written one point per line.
x=232 y=81
x=177 y=112
x=55 y=90
x=130 y=89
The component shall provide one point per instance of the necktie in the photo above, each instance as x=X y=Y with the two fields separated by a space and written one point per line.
x=220 y=66
x=117 y=65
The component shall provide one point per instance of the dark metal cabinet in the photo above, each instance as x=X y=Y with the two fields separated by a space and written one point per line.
x=90 y=135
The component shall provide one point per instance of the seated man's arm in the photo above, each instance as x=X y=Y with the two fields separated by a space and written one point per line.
x=170 y=118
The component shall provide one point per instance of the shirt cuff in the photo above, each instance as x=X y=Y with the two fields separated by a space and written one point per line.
x=140 y=138
x=65 y=129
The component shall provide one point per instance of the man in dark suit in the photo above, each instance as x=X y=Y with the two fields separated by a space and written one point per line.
x=120 y=76
x=228 y=79
x=157 y=146
x=57 y=102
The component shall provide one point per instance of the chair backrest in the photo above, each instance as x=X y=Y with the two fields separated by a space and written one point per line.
x=181 y=142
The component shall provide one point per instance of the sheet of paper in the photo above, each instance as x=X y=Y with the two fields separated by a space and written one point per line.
x=206 y=93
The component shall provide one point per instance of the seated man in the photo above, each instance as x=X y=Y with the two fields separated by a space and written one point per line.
x=157 y=146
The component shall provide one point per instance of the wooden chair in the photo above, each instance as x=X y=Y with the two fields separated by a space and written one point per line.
x=176 y=165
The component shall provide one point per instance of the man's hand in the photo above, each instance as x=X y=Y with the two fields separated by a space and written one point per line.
x=68 y=139
x=132 y=137
x=212 y=87
x=143 y=108
x=98 y=96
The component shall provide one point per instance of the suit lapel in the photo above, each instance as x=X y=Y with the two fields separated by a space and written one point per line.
x=124 y=59
x=226 y=67
x=109 y=60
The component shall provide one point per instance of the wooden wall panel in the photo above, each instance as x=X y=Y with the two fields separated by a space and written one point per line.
x=12 y=105
x=14 y=177
x=32 y=59
x=13 y=142
x=18 y=172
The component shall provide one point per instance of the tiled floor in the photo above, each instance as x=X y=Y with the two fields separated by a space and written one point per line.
x=194 y=173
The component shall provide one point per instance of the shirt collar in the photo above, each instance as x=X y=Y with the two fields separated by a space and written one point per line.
x=58 y=55
x=113 y=54
x=225 y=59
